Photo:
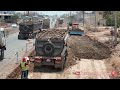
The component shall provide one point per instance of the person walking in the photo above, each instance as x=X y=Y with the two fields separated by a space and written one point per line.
x=23 y=67
x=27 y=66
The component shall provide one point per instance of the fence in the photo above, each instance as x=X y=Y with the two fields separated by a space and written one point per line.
x=25 y=50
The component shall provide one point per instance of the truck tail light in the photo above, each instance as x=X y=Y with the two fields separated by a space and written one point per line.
x=38 y=59
x=58 y=60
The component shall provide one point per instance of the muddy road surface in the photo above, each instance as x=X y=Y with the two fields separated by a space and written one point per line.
x=85 y=60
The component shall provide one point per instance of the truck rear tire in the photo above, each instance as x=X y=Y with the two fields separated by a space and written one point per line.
x=2 y=54
x=20 y=37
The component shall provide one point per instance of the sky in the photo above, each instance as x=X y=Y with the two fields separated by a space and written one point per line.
x=57 y=12
x=51 y=12
x=54 y=12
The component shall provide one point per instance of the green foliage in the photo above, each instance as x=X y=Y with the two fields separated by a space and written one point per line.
x=15 y=16
x=107 y=13
x=110 y=20
x=71 y=18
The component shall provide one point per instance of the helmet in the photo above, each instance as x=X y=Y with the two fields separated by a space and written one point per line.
x=27 y=58
x=24 y=59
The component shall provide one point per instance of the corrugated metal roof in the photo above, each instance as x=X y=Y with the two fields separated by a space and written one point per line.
x=6 y=14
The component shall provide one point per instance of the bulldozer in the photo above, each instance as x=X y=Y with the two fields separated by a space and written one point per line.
x=74 y=29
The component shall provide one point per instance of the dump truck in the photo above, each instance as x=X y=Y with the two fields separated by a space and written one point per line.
x=2 y=43
x=60 y=20
x=46 y=23
x=74 y=29
x=51 y=48
x=28 y=28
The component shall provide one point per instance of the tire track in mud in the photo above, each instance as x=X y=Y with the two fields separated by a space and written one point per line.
x=101 y=70
x=87 y=69
x=48 y=76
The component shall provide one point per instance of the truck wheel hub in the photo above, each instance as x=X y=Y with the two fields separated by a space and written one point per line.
x=48 y=48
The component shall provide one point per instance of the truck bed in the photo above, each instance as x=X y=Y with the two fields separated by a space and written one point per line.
x=52 y=33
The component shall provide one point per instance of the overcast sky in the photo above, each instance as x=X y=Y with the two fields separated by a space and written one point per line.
x=54 y=12
x=57 y=12
x=50 y=12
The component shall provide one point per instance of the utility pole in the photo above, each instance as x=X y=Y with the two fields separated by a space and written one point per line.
x=28 y=13
x=115 y=30
x=83 y=16
x=70 y=17
x=95 y=19
x=90 y=19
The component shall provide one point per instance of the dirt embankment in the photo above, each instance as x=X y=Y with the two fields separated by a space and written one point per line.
x=84 y=47
x=113 y=62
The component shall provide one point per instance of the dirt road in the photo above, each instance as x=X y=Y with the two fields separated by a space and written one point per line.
x=78 y=64
x=84 y=69
x=11 y=30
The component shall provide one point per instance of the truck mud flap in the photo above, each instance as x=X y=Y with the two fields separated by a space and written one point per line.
x=61 y=66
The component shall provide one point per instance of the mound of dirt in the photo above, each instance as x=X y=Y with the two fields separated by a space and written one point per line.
x=84 y=47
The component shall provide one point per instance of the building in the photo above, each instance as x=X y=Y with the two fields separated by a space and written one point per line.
x=6 y=16
x=7 y=12
x=99 y=18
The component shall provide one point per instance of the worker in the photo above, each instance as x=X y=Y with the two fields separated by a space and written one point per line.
x=27 y=66
x=23 y=67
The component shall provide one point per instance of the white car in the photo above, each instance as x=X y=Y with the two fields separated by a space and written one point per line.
x=14 y=25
